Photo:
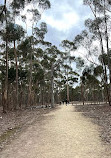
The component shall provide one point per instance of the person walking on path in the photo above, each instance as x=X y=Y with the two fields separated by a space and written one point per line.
x=63 y=101
x=66 y=102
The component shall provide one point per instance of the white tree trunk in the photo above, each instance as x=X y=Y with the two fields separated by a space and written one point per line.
x=52 y=85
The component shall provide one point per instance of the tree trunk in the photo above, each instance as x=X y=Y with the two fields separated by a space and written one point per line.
x=106 y=85
x=21 y=96
x=4 y=99
x=42 y=95
x=103 y=64
x=67 y=88
x=5 y=91
x=16 y=61
x=30 y=80
x=82 y=93
x=67 y=92
x=52 y=85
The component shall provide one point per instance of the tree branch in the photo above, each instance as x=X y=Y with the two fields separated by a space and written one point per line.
x=2 y=11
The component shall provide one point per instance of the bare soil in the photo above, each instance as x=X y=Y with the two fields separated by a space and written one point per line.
x=14 y=122
x=100 y=115
x=60 y=133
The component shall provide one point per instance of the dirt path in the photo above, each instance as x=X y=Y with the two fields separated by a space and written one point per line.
x=63 y=133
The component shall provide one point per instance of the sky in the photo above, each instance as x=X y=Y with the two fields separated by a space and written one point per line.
x=65 y=19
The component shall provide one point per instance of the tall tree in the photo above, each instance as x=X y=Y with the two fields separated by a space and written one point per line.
x=36 y=15
x=68 y=46
x=15 y=32
x=103 y=7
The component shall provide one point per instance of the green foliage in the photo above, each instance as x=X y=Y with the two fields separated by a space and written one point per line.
x=104 y=58
x=11 y=54
x=88 y=77
x=40 y=32
x=68 y=45
x=14 y=32
x=39 y=75
x=44 y=4
x=98 y=70
x=79 y=62
x=39 y=52
x=94 y=25
x=22 y=74
x=18 y=4
x=11 y=74
x=25 y=47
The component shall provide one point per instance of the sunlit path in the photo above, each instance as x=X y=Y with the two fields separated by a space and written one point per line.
x=63 y=133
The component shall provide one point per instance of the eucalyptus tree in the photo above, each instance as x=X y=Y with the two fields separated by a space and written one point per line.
x=36 y=15
x=54 y=61
x=15 y=7
x=4 y=17
x=88 y=79
x=90 y=84
x=3 y=22
x=24 y=49
x=38 y=83
x=85 y=41
x=68 y=59
x=37 y=40
x=96 y=27
x=15 y=33
x=80 y=64
x=104 y=58
x=11 y=33
x=102 y=8
x=51 y=63
x=37 y=70
x=99 y=73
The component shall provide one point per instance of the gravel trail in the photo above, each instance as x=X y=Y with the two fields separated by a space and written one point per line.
x=63 y=133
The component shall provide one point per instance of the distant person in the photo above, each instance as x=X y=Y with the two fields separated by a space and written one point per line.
x=63 y=101
x=66 y=102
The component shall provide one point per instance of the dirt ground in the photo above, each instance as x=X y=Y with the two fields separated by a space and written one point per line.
x=100 y=115
x=14 y=122
x=61 y=133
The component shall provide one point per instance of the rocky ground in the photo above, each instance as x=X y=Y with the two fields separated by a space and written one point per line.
x=101 y=115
